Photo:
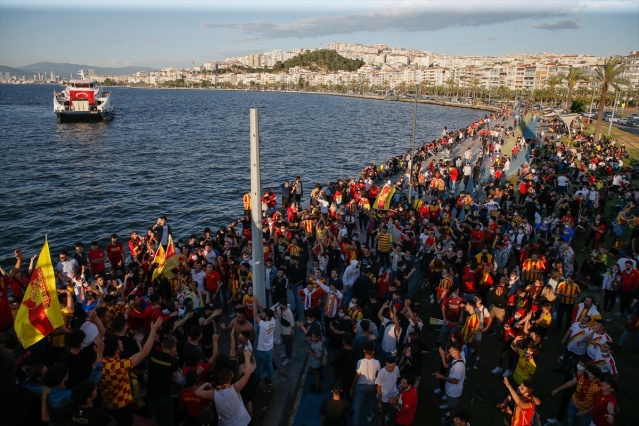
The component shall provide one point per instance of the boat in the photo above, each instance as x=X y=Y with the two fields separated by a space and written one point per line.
x=83 y=100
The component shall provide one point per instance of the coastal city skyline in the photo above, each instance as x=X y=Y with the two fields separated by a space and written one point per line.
x=167 y=34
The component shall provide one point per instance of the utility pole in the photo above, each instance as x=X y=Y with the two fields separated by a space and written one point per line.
x=412 y=155
x=257 y=251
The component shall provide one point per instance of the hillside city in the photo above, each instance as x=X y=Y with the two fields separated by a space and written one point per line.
x=386 y=69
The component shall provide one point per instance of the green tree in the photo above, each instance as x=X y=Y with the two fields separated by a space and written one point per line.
x=609 y=75
x=553 y=82
x=575 y=75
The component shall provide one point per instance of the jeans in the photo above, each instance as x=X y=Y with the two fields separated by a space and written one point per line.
x=574 y=420
x=264 y=359
x=287 y=339
x=364 y=401
x=162 y=409
x=299 y=306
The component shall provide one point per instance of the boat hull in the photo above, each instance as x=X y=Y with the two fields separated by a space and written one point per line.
x=84 y=117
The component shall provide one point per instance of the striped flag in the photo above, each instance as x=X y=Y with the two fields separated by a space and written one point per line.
x=39 y=314
x=160 y=258
x=172 y=258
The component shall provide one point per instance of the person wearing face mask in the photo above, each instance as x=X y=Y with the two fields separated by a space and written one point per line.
x=610 y=286
x=406 y=402
x=604 y=359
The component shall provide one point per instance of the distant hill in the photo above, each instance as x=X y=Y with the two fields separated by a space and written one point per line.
x=320 y=60
x=68 y=70
x=14 y=72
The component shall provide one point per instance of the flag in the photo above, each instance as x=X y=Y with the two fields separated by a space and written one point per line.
x=435 y=321
x=160 y=258
x=39 y=314
x=383 y=199
x=172 y=258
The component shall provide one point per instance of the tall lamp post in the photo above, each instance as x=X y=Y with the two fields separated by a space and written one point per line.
x=412 y=154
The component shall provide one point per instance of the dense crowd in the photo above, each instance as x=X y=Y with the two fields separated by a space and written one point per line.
x=499 y=258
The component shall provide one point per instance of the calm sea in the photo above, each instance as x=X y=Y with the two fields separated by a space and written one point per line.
x=183 y=153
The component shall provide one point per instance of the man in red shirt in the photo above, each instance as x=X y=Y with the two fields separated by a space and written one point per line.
x=451 y=311
x=406 y=402
x=115 y=252
x=629 y=283
x=212 y=281
x=96 y=259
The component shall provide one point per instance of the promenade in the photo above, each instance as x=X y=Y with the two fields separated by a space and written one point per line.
x=305 y=406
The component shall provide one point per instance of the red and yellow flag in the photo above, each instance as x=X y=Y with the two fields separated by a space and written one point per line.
x=160 y=258
x=172 y=258
x=382 y=202
x=39 y=314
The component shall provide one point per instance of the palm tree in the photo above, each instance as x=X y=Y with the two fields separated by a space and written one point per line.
x=553 y=82
x=609 y=75
x=575 y=75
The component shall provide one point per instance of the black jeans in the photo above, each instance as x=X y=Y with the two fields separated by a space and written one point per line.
x=287 y=339
x=610 y=297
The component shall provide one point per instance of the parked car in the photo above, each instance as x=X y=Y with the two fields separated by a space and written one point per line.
x=589 y=114
x=623 y=121
x=610 y=118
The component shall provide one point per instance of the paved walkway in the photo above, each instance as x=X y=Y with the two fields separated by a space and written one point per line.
x=307 y=404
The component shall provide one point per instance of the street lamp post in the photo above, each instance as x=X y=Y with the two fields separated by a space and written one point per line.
x=412 y=154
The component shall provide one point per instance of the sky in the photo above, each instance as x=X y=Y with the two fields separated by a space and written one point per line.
x=163 y=33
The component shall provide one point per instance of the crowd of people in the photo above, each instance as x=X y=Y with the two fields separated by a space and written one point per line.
x=354 y=280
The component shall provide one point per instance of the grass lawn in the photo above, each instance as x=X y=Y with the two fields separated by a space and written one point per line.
x=483 y=390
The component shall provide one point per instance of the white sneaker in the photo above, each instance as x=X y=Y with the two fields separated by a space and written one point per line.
x=370 y=417
x=444 y=398
x=496 y=370
x=438 y=391
x=277 y=342
x=443 y=407
x=506 y=373
x=552 y=422
x=286 y=362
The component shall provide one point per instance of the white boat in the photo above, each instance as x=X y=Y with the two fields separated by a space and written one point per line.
x=83 y=100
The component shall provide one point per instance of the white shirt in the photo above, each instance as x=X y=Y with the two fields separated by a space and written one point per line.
x=265 y=336
x=457 y=371
x=230 y=408
x=390 y=337
x=562 y=180
x=367 y=368
x=388 y=382
x=578 y=334
x=66 y=267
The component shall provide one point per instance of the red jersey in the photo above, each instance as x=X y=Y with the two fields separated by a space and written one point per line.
x=408 y=400
x=115 y=252
x=96 y=261
x=6 y=316
x=523 y=416
x=452 y=308
x=212 y=280
x=192 y=403
x=601 y=408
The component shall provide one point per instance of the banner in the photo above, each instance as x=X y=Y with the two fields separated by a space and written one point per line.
x=160 y=258
x=172 y=258
x=39 y=314
x=384 y=198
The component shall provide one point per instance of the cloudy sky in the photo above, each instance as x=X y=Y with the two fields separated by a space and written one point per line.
x=162 y=33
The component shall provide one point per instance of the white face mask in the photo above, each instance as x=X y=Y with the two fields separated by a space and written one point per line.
x=341 y=314
x=580 y=368
x=351 y=305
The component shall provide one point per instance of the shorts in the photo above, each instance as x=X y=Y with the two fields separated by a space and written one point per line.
x=478 y=336
x=452 y=401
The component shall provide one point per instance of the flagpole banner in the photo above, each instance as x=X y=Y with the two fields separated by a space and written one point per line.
x=160 y=258
x=39 y=314
x=383 y=199
x=172 y=259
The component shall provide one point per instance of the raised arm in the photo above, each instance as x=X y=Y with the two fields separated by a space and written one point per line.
x=148 y=345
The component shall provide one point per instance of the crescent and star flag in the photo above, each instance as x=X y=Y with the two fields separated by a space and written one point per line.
x=160 y=258
x=39 y=314
x=382 y=202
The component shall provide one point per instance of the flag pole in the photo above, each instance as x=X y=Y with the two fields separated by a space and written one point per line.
x=259 y=273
